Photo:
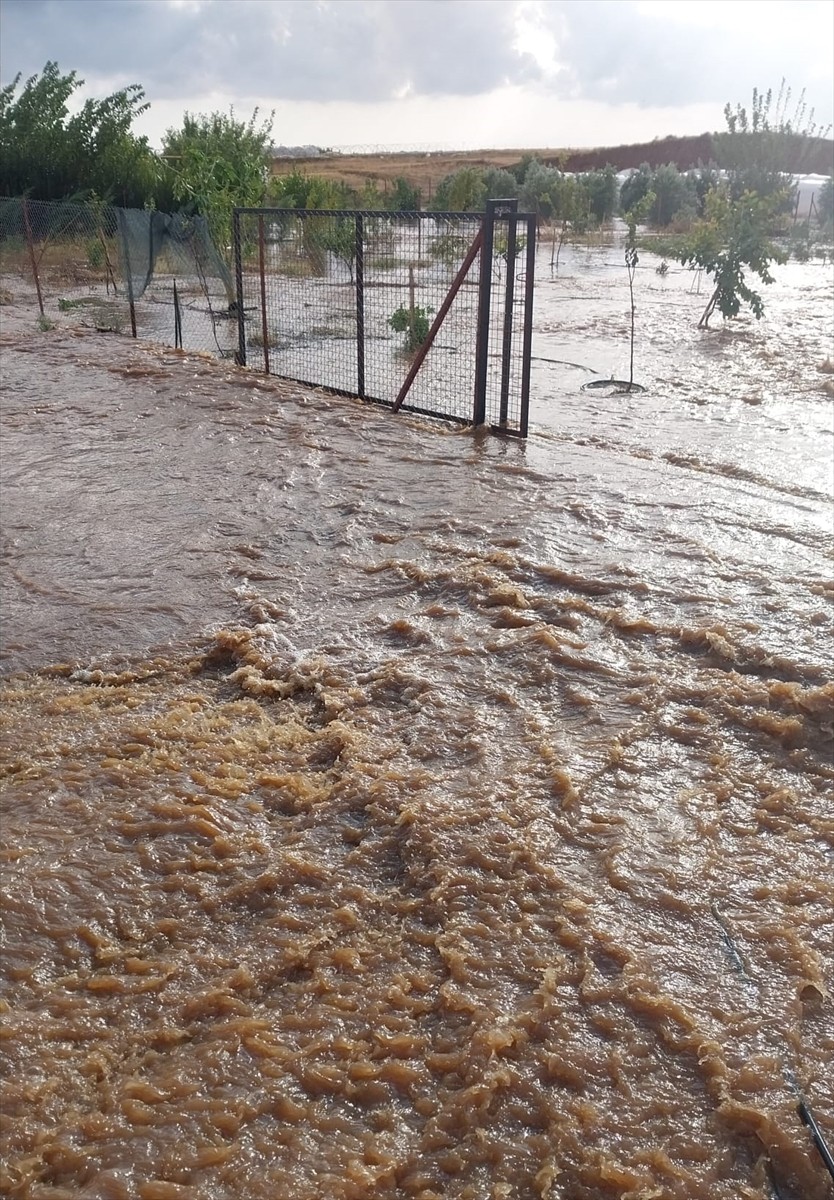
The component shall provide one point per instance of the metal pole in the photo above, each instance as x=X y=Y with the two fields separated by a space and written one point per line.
x=484 y=298
x=360 y=306
x=177 y=320
x=262 y=269
x=509 y=299
x=128 y=272
x=527 y=338
x=31 y=246
x=241 y=322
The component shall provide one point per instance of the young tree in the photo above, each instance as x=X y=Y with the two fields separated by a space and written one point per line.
x=731 y=239
x=632 y=259
x=461 y=191
x=404 y=197
x=219 y=163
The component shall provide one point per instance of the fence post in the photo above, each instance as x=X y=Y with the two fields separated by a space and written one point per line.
x=128 y=271
x=177 y=319
x=241 y=318
x=507 y=343
x=484 y=297
x=360 y=306
x=527 y=339
x=262 y=269
x=31 y=245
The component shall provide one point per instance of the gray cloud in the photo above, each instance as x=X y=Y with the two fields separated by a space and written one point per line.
x=289 y=49
x=372 y=50
x=617 y=52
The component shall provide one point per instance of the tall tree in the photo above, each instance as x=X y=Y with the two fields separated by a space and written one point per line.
x=219 y=163
x=50 y=155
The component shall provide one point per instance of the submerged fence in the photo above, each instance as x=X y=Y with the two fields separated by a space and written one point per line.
x=155 y=275
x=431 y=312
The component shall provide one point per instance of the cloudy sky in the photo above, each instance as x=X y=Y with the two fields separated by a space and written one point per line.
x=445 y=73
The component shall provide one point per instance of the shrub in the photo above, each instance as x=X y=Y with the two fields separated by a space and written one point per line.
x=414 y=323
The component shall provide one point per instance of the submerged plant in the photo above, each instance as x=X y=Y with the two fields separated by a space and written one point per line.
x=414 y=323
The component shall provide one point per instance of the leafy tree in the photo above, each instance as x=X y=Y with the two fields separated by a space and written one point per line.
x=538 y=189
x=461 y=191
x=731 y=239
x=50 y=155
x=701 y=182
x=638 y=184
x=825 y=202
x=499 y=184
x=219 y=163
x=673 y=196
x=298 y=190
x=338 y=235
x=405 y=197
x=602 y=192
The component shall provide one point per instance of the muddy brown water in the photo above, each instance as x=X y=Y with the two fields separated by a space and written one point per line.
x=391 y=811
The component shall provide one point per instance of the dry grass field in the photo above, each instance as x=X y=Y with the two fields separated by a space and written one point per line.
x=425 y=170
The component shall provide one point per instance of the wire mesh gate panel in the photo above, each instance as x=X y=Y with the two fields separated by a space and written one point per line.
x=362 y=302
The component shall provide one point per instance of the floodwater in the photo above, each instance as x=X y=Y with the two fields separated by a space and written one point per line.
x=395 y=811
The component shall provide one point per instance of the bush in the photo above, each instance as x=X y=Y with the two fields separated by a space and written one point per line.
x=414 y=323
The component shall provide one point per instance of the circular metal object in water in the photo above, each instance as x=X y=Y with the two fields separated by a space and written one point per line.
x=613 y=386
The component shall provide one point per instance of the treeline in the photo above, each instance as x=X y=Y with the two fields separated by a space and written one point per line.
x=212 y=163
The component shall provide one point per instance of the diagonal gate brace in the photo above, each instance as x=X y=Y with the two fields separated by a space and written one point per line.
x=455 y=287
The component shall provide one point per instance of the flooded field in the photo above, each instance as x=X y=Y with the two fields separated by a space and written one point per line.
x=394 y=811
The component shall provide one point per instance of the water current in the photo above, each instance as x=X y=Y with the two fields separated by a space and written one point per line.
x=396 y=811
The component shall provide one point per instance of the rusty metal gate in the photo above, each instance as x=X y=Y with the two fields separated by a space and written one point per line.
x=425 y=312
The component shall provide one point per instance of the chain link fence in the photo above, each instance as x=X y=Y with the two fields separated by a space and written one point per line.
x=153 y=275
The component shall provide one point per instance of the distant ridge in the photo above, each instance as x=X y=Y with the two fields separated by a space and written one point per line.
x=425 y=168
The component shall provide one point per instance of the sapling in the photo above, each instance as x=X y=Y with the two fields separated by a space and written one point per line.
x=633 y=218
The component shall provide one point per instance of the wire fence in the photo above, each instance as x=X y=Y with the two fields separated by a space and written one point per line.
x=426 y=311
x=155 y=275
x=372 y=303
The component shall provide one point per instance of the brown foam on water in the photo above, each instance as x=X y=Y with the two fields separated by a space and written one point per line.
x=254 y=948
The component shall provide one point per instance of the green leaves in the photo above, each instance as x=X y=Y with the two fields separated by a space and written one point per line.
x=730 y=240
x=219 y=163
x=414 y=323
x=50 y=155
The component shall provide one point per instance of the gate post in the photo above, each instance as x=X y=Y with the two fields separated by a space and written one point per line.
x=360 y=306
x=527 y=341
x=262 y=270
x=492 y=209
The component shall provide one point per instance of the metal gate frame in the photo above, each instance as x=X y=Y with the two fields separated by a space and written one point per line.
x=497 y=213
